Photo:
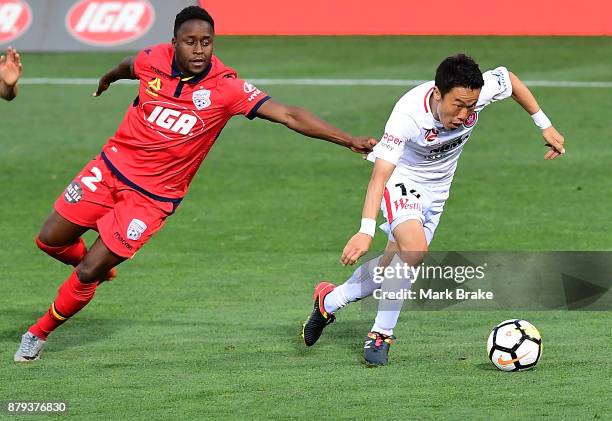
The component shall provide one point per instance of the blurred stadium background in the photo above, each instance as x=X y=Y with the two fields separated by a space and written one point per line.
x=204 y=322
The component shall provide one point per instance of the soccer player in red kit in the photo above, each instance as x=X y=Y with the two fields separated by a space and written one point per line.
x=186 y=96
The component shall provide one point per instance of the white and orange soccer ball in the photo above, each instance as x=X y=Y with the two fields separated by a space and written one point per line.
x=514 y=345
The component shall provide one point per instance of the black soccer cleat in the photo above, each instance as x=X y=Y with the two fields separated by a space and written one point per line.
x=319 y=318
x=376 y=349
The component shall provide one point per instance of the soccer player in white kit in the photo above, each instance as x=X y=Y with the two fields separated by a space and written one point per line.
x=414 y=164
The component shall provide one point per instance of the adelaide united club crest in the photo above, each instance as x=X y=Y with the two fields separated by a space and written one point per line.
x=201 y=99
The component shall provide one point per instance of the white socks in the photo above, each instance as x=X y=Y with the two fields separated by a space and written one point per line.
x=389 y=309
x=360 y=285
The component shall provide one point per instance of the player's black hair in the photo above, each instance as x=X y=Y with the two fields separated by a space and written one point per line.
x=192 y=12
x=458 y=71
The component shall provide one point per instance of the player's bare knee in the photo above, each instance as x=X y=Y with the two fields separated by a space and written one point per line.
x=58 y=231
x=44 y=237
x=47 y=232
x=40 y=243
x=88 y=273
x=412 y=253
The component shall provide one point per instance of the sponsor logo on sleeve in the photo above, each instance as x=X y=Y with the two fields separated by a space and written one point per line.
x=392 y=139
x=249 y=88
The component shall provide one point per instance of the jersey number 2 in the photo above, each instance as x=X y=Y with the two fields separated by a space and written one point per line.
x=89 y=181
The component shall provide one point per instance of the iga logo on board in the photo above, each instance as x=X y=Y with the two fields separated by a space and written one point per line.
x=15 y=19
x=106 y=22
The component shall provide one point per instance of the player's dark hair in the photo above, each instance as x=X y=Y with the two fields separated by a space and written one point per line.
x=458 y=71
x=192 y=12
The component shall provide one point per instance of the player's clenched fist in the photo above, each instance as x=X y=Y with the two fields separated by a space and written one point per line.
x=102 y=86
x=362 y=144
x=124 y=70
x=356 y=247
x=555 y=141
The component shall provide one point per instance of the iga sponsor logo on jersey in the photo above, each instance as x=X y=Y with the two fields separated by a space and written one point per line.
x=135 y=229
x=201 y=98
x=172 y=121
x=106 y=22
x=15 y=19
x=471 y=120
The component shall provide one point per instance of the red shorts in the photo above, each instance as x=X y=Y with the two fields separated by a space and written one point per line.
x=124 y=217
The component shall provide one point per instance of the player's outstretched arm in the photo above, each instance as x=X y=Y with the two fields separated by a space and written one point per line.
x=306 y=123
x=360 y=243
x=10 y=72
x=124 y=70
x=554 y=139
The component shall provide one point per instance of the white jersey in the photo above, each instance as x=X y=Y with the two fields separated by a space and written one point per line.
x=421 y=148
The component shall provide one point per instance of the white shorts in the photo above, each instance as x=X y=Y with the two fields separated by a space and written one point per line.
x=405 y=199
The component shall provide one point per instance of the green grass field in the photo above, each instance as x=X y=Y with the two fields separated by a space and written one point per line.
x=204 y=321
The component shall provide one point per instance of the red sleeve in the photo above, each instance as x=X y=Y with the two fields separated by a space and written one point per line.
x=142 y=59
x=242 y=97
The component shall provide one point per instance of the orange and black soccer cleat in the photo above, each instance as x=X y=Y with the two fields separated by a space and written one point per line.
x=319 y=318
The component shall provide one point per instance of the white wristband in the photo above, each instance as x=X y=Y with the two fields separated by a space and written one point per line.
x=368 y=226
x=541 y=120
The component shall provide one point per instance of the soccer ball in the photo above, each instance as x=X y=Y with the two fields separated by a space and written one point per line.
x=514 y=345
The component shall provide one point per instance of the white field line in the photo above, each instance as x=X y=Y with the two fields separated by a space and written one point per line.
x=329 y=82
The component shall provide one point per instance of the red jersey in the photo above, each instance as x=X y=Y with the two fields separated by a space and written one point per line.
x=174 y=121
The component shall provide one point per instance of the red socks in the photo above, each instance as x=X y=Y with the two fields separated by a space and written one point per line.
x=72 y=296
x=70 y=255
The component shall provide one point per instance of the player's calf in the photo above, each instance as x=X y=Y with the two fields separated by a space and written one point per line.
x=411 y=243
